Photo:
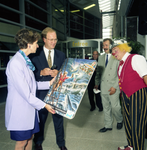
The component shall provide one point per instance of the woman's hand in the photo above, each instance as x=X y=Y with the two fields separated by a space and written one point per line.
x=50 y=109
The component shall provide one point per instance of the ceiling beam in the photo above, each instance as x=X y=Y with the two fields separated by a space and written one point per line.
x=108 y=12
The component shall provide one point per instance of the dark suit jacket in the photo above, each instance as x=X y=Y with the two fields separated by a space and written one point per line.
x=92 y=80
x=40 y=62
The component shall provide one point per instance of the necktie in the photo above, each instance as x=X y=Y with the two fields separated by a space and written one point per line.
x=49 y=59
x=106 y=60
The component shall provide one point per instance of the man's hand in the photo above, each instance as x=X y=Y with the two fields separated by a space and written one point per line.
x=53 y=73
x=48 y=71
x=96 y=87
x=112 y=90
x=45 y=72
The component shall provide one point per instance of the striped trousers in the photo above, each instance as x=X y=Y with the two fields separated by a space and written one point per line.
x=135 y=118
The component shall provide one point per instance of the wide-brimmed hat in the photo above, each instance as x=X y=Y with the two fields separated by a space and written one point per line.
x=117 y=42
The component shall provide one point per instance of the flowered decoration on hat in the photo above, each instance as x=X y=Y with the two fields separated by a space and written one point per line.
x=117 y=42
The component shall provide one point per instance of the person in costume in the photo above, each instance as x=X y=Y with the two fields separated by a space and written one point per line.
x=132 y=73
x=22 y=105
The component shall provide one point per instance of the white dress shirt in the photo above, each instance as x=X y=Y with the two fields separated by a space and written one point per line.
x=138 y=63
x=46 y=51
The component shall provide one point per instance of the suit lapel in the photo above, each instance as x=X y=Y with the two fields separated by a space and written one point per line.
x=42 y=59
x=108 y=66
x=110 y=61
x=103 y=60
x=55 y=57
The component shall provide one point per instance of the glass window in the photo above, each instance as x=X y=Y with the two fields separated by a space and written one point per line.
x=34 y=24
x=97 y=34
x=76 y=53
x=76 y=18
x=76 y=10
x=61 y=36
x=88 y=52
x=76 y=34
x=41 y=3
x=11 y=3
x=89 y=17
x=84 y=24
x=97 y=21
x=3 y=94
x=8 y=46
x=4 y=58
x=76 y=26
x=58 y=14
x=58 y=25
x=35 y=12
x=9 y=15
x=89 y=23
x=88 y=36
x=64 y=48
x=9 y=29
x=89 y=31
x=58 y=2
x=101 y=47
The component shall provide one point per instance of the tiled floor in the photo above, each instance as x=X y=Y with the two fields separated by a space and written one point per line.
x=81 y=133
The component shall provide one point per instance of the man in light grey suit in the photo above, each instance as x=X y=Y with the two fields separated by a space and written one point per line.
x=106 y=75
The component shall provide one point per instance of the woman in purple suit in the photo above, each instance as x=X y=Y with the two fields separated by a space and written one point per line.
x=21 y=112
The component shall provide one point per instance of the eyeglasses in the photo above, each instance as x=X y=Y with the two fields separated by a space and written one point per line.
x=52 y=40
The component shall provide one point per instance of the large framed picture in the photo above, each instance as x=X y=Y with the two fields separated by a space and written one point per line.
x=67 y=91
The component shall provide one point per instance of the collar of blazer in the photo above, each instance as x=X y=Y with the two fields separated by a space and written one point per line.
x=110 y=61
x=109 y=66
x=42 y=59
x=28 y=72
x=103 y=59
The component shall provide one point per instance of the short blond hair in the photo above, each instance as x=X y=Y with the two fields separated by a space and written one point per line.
x=46 y=30
x=125 y=47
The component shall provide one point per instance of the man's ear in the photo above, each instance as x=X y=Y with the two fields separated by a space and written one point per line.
x=43 y=39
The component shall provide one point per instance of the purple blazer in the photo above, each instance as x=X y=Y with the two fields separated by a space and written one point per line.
x=21 y=101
